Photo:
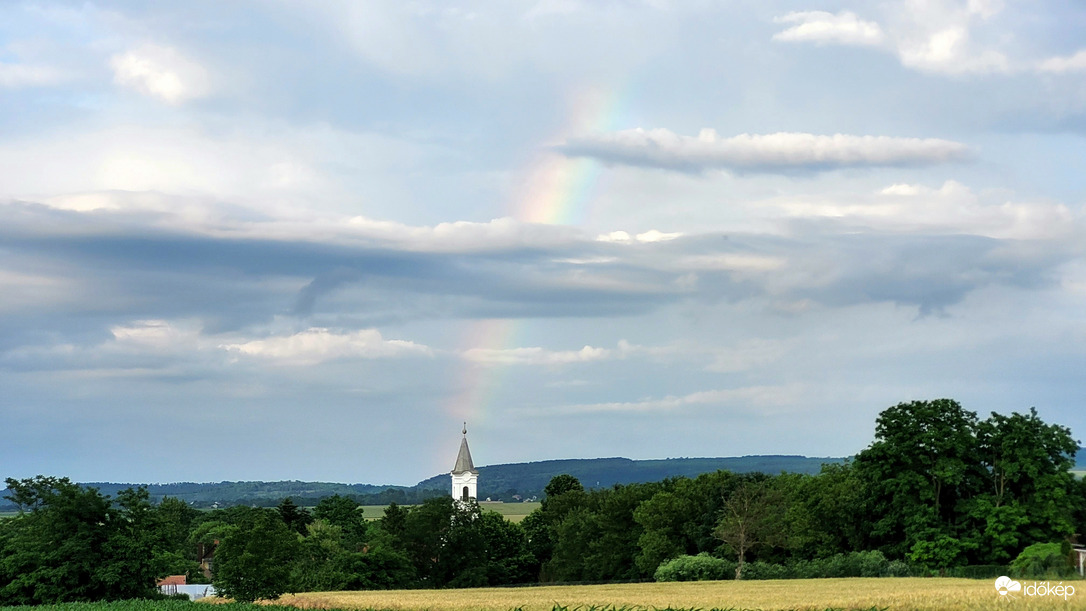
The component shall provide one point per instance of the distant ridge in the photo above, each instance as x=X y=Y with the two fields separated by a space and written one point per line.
x=499 y=482
x=502 y=482
x=530 y=478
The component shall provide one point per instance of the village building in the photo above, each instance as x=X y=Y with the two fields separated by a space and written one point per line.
x=465 y=478
x=173 y=585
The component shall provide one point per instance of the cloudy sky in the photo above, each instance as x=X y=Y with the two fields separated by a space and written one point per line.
x=306 y=240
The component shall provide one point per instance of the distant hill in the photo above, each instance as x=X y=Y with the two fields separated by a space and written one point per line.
x=529 y=479
x=499 y=482
x=495 y=481
x=223 y=494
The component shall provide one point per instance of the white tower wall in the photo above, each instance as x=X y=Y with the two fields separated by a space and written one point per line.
x=467 y=480
x=465 y=477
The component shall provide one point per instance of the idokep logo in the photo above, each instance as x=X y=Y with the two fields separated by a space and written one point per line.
x=1005 y=585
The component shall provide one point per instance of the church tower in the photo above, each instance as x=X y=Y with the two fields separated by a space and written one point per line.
x=464 y=476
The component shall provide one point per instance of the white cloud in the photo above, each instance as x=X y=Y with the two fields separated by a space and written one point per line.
x=748 y=354
x=15 y=76
x=949 y=51
x=140 y=347
x=776 y=152
x=740 y=262
x=927 y=35
x=317 y=345
x=154 y=334
x=823 y=27
x=952 y=208
x=275 y=168
x=902 y=189
x=160 y=72
x=426 y=39
x=751 y=399
x=652 y=235
x=536 y=356
x=462 y=235
x=1060 y=65
x=209 y=217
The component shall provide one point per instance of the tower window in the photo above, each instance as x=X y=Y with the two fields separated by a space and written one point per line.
x=465 y=495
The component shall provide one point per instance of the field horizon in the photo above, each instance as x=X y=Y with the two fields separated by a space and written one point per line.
x=890 y=593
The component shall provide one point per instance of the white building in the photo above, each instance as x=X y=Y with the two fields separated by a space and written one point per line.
x=465 y=478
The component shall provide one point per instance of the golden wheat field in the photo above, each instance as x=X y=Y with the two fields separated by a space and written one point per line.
x=904 y=594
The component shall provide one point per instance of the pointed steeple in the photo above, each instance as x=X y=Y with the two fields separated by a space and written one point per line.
x=463 y=458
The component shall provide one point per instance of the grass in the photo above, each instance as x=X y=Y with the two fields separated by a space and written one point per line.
x=514 y=512
x=132 y=605
x=891 y=594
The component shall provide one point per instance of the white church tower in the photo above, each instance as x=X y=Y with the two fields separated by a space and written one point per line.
x=464 y=476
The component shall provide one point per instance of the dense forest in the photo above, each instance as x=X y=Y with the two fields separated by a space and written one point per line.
x=938 y=491
x=508 y=482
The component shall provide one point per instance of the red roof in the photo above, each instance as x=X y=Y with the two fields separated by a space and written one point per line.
x=172 y=580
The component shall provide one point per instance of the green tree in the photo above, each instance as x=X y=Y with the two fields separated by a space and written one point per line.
x=254 y=559
x=296 y=518
x=823 y=513
x=559 y=485
x=665 y=519
x=443 y=544
x=753 y=518
x=319 y=554
x=1031 y=491
x=564 y=494
x=135 y=547
x=70 y=543
x=573 y=537
x=379 y=568
x=346 y=514
x=921 y=466
x=394 y=521
x=595 y=534
x=506 y=546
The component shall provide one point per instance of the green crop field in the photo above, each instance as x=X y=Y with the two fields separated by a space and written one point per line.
x=136 y=605
x=514 y=512
x=891 y=594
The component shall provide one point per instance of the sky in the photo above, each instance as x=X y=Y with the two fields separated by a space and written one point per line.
x=308 y=240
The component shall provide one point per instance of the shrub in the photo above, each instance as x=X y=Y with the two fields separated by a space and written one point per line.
x=852 y=564
x=766 y=570
x=898 y=568
x=980 y=571
x=1042 y=561
x=702 y=567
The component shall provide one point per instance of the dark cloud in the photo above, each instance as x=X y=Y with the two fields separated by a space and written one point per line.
x=127 y=270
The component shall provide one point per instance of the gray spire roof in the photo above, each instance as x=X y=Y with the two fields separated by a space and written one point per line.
x=463 y=458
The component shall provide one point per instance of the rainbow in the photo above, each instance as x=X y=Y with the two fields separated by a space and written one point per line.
x=555 y=190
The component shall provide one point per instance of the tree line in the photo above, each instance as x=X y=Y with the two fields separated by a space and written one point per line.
x=937 y=489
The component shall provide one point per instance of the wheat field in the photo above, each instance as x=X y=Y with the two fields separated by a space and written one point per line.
x=893 y=594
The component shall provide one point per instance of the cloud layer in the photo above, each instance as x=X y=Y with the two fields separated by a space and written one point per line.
x=779 y=152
